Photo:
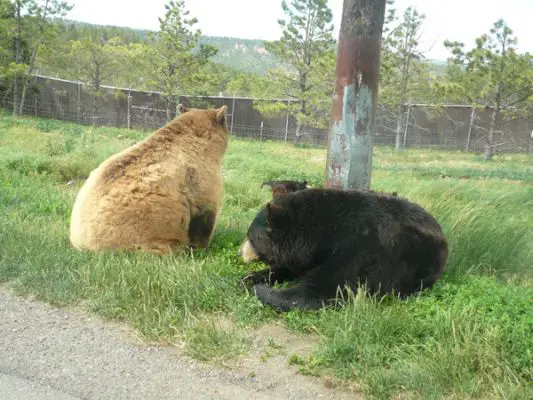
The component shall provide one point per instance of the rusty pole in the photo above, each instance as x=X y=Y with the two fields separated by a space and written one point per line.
x=349 y=159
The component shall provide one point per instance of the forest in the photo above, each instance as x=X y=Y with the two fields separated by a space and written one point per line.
x=35 y=38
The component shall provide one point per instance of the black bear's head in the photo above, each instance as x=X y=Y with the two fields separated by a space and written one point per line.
x=259 y=244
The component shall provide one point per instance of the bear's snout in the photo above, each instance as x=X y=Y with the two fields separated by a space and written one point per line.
x=247 y=252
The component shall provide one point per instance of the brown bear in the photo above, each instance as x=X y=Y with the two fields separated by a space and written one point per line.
x=159 y=195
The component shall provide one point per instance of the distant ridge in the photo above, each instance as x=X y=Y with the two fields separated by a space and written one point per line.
x=245 y=55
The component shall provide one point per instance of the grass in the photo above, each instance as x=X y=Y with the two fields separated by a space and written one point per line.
x=470 y=337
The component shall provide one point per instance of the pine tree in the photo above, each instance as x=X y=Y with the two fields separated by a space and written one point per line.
x=404 y=73
x=306 y=52
x=174 y=58
x=493 y=75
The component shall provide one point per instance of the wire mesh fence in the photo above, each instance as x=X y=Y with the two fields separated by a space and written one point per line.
x=453 y=127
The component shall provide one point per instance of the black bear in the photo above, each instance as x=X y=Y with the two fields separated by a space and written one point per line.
x=329 y=238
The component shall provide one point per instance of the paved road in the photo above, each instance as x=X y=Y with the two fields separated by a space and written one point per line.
x=48 y=353
x=14 y=388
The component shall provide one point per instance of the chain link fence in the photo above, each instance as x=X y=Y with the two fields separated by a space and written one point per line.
x=453 y=127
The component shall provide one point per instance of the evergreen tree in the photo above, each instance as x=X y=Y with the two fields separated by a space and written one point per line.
x=174 y=56
x=307 y=56
x=492 y=75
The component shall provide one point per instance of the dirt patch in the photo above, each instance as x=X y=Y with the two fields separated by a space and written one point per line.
x=274 y=335
x=269 y=361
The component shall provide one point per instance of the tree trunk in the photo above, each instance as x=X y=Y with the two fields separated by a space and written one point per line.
x=27 y=79
x=97 y=95
x=15 y=95
x=399 y=118
x=297 y=133
x=18 y=60
x=23 y=96
x=353 y=116
x=299 y=124
x=169 y=109
x=490 y=136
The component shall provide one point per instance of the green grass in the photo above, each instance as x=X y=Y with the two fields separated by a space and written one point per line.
x=470 y=337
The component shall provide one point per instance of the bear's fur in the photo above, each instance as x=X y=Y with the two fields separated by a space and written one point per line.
x=280 y=188
x=159 y=195
x=330 y=238
x=290 y=186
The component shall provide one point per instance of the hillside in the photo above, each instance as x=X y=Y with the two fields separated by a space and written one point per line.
x=245 y=55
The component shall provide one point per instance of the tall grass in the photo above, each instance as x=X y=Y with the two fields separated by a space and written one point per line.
x=469 y=337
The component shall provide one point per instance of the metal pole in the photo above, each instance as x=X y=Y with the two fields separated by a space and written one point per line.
x=349 y=159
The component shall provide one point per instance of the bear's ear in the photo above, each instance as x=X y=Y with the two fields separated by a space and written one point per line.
x=221 y=114
x=275 y=215
x=279 y=190
x=182 y=109
x=270 y=184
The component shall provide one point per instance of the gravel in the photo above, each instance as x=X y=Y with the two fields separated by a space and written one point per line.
x=50 y=353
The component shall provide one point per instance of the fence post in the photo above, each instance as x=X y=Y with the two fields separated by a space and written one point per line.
x=129 y=109
x=406 y=123
x=472 y=117
x=287 y=122
x=232 y=116
x=261 y=132
x=79 y=101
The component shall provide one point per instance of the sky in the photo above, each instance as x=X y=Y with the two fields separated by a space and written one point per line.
x=461 y=20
